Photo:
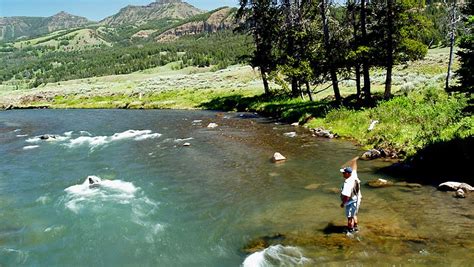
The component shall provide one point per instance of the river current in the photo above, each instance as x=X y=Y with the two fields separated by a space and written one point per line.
x=162 y=202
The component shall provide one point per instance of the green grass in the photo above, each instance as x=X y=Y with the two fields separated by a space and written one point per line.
x=406 y=123
x=168 y=99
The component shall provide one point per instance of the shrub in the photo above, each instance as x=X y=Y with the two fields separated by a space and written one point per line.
x=406 y=123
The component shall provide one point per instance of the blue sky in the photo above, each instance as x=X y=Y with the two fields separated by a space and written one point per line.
x=91 y=9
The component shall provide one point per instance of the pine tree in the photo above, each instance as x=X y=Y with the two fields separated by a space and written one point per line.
x=466 y=51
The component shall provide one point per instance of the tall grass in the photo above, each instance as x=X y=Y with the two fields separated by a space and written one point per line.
x=406 y=123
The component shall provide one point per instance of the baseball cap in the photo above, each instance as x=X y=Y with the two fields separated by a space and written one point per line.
x=346 y=169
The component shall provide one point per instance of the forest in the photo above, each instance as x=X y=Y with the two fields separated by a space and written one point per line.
x=43 y=64
x=297 y=44
x=314 y=42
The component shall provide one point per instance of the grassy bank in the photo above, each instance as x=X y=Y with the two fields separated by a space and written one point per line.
x=421 y=113
x=405 y=123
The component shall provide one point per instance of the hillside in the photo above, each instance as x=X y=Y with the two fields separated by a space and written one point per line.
x=67 y=40
x=163 y=9
x=13 y=28
x=211 y=22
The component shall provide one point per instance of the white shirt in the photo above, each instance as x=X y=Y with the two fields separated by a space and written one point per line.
x=348 y=187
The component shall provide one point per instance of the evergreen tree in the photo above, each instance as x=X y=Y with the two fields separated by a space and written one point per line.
x=396 y=35
x=466 y=51
x=261 y=19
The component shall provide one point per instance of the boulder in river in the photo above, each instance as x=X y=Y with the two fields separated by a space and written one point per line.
x=371 y=154
x=48 y=137
x=460 y=193
x=454 y=186
x=187 y=144
x=212 y=125
x=323 y=133
x=277 y=157
x=290 y=134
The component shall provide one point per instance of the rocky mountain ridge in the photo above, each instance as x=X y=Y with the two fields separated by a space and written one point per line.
x=163 y=9
x=221 y=19
x=160 y=21
x=13 y=28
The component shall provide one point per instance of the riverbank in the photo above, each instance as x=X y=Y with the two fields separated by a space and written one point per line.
x=206 y=204
x=420 y=115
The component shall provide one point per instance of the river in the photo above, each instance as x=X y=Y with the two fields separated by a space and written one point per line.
x=160 y=203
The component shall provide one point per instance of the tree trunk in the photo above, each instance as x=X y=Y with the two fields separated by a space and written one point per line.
x=389 y=60
x=388 y=83
x=357 y=73
x=301 y=91
x=354 y=47
x=308 y=91
x=328 y=49
x=294 y=87
x=451 y=45
x=265 y=82
x=365 y=63
x=451 y=48
x=335 y=86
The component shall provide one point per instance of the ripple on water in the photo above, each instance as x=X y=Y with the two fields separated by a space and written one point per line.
x=105 y=195
x=84 y=138
x=277 y=255
x=13 y=255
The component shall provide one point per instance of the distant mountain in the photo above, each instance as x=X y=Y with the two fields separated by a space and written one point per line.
x=161 y=9
x=211 y=22
x=13 y=28
x=64 y=20
x=160 y=21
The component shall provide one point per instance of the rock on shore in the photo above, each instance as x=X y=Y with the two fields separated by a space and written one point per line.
x=455 y=186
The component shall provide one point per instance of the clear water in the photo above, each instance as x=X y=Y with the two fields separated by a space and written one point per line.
x=163 y=204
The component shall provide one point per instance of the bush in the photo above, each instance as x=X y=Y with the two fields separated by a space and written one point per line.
x=406 y=123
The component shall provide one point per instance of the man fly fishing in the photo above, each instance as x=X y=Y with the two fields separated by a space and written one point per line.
x=350 y=194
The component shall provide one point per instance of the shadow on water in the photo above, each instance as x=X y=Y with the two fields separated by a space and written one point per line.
x=331 y=228
x=437 y=163
x=280 y=106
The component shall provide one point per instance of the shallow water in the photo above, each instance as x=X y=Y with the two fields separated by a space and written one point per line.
x=163 y=204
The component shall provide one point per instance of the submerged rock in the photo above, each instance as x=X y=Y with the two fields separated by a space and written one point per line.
x=312 y=186
x=277 y=157
x=379 y=183
x=262 y=242
x=290 y=134
x=409 y=185
x=385 y=183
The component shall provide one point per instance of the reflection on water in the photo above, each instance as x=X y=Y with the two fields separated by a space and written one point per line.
x=164 y=204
